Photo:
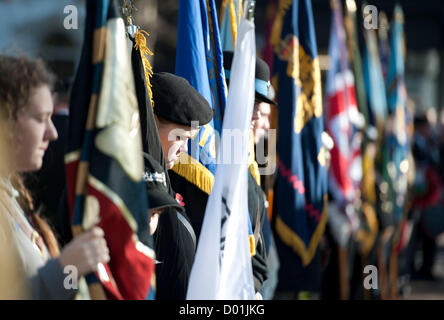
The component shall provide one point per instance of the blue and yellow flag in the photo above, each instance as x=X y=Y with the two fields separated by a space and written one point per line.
x=397 y=138
x=396 y=93
x=199 y=60
x=301 y=195
x=231 y=13
x=374 y=82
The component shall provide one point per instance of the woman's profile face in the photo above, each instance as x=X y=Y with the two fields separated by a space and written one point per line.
x=34 y=130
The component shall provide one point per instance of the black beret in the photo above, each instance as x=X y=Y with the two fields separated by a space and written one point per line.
x=177 y=101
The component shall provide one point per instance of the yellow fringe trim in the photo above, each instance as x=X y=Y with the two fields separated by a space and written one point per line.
x=141 y=46
x=270 y=196
x=194 y=172
x=252 y=245
x=252 y=164
x=290 y=238
x=254 y=170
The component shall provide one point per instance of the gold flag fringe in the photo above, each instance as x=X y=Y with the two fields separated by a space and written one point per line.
x=144 y=51
x=194 y=172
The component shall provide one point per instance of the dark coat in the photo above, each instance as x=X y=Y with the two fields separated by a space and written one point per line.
x=195 y=203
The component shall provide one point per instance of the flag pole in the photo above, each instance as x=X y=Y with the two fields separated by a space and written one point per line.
x=250 y=7
x=128 y=8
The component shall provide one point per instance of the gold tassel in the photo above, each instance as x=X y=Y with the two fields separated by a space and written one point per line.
x=252 y=164
x=254 y=170
x=144 y=51
x=252 y=245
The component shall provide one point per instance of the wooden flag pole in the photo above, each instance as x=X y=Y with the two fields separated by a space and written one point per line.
x=344 y=288
x=382 y=274
x=393 y=273
x=365 y=292
x=382 y=268
x=393 y=264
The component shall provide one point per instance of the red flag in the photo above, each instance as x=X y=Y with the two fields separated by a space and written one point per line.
x=104 y=165
x=343 y=117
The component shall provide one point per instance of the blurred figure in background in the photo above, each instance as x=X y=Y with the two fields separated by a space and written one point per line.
x=427 y=190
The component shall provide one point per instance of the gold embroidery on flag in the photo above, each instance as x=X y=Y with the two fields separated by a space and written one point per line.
x=276 y=31
x=307 y=74
x=207 y=131
x=290 y=238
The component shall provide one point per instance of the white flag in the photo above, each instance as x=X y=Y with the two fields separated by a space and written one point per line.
x=222 y=266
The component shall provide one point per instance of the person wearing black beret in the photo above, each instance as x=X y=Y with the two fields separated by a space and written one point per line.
x=179 y=110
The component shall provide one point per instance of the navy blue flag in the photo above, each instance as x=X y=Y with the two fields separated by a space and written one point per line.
x=301 y=211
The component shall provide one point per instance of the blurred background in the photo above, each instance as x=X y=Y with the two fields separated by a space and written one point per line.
x=36 y=28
